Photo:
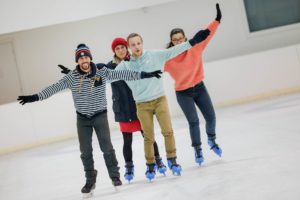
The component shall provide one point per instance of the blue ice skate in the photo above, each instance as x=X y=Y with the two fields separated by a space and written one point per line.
x=174 y=167
x=150 y=173
x=160 y=166
x=129 y=171
x=198 y=155
x=215 y=147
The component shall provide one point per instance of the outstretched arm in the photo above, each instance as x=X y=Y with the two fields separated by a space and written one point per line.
x=46 y=93
x=28 y=99
x=167 y=54
x=128 y=75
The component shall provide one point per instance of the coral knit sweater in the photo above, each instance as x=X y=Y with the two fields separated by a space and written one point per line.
x=187 y=68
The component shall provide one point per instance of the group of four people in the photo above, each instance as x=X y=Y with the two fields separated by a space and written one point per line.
x=138 y=95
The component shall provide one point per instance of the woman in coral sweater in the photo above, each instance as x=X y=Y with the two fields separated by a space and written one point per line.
x=187 y=71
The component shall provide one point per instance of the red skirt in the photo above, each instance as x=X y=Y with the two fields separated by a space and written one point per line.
x=132 y=126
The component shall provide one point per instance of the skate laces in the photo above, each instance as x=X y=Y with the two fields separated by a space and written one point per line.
x=129 y=169
x=198 y=153
x=159 y=163
x=172 y=163
x=213 y=144
x=88 y=184
x=150 y=172
x=150 y=168
x=176 y=168
x=115 y=179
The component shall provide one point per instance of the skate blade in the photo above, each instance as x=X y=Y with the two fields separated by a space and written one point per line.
x=218 y=153
x=117 y=189
x=162 y=171
x=200 y=162
x=129 y=179
x=150 y=180
x=87 y=195
x=176 y=173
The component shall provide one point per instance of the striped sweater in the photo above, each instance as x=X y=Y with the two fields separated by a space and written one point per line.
x=88 y=98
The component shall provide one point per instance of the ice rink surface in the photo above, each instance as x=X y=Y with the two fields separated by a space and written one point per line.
x=261 y=160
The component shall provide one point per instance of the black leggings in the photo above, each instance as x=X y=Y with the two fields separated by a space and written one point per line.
x=127 y=147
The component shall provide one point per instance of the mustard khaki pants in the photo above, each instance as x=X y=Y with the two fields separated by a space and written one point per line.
x=145 y=112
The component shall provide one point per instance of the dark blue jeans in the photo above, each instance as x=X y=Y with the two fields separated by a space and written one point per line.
x=85 y=127
x=188 y=100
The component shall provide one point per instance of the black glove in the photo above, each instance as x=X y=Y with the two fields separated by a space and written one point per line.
x=156 y=74
x=199 y=37
x=64 y=70
x=219 y=14
x=98 y=81
x=28 y=99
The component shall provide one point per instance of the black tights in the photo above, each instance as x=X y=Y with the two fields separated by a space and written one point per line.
x=127 y=147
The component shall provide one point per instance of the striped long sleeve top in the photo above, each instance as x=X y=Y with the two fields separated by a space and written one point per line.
x=89 y=97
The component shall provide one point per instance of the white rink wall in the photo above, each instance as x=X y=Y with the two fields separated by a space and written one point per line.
x=229 y=81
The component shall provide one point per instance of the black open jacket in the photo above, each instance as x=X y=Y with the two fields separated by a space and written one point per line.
x=123 y=103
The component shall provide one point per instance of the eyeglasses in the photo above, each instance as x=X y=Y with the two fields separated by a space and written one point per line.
x=178 y=39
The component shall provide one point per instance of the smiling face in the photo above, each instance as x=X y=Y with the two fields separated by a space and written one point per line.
x=84 y=63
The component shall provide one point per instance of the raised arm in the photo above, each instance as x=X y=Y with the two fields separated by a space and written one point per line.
x=219 y=14
x=213 y=26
